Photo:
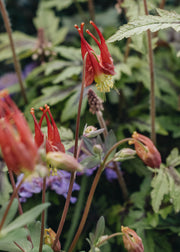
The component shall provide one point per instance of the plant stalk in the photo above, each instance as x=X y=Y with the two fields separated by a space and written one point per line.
x=42 y=215
x=121 y=180
x=73 y=174
x=91 y=194
x=152 y=81
x=15 y=59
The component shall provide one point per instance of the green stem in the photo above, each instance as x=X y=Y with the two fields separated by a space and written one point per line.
x=77 y=213
x=10 y=203
x=87 y=207
x=109 y=237
x=152 y=81
x=42 y=215
x=73 y=174
x=91 y=193
x=120 y=178
x=15 y=59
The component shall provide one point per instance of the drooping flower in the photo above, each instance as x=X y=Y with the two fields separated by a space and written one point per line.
x=53 y=140
x=132 y=242
x=146 y=150
x=98 y=67
x=16 y=141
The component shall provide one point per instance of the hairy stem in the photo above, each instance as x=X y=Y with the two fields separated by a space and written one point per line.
x=91 y=194
x=73 y=174
x=10 y=203
x=15 y=59
x=152 y=81
x=42 y=215
x=109 y=237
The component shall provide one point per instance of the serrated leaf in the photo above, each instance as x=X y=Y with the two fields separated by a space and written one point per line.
x=143 y=23
x=160 y=185
x=25 y=218
x=174 y=158
x=174 y=191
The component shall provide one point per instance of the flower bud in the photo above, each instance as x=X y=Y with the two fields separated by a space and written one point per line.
x=124 y=154
x=132 y=242
x=97 y=149
x=146 y=150
x=91 y=131
x=63 y=161
x=49 y=237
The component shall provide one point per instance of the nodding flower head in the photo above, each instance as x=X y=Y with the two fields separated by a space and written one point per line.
x=146 y=150
x=16 y=141
x=132 y=242
x=98 y=67
x=53 y=140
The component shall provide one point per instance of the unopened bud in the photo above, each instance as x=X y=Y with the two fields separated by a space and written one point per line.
x=91 y=131
x=97 y=149
x=132 y=242
x=95 y=103
x=49 y=237
x=63 y=161
x=124 y=154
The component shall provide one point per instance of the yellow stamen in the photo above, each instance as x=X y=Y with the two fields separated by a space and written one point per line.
x=104 y=82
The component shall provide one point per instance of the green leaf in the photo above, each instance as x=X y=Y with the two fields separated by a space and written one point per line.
x=160 y=185
x=11 y=213
x=67 y=73
x=100 y=227
x=174 y=158
x=35 y=231
x=174 y=191
x=5 y=186
x=7 y=242
x=69 y=53
x=71 y=107
x=25 y=218
x=90 y=162
x=143 y=23
x=110 y=140
x=55 y=65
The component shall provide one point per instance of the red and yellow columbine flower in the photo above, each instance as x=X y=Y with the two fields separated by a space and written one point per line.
x=146 y=150
x=98 y=67
x=132 y=242
x=16 y=141
x=53 y=141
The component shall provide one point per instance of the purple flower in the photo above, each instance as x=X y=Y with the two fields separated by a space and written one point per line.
x=58 y=183
x=10 y=78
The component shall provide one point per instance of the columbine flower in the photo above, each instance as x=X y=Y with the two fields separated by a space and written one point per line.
x=98 y=67
x=16 y=141
x=132 y=242
x=58 y=183
x=146 y=150
x=53 y=141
